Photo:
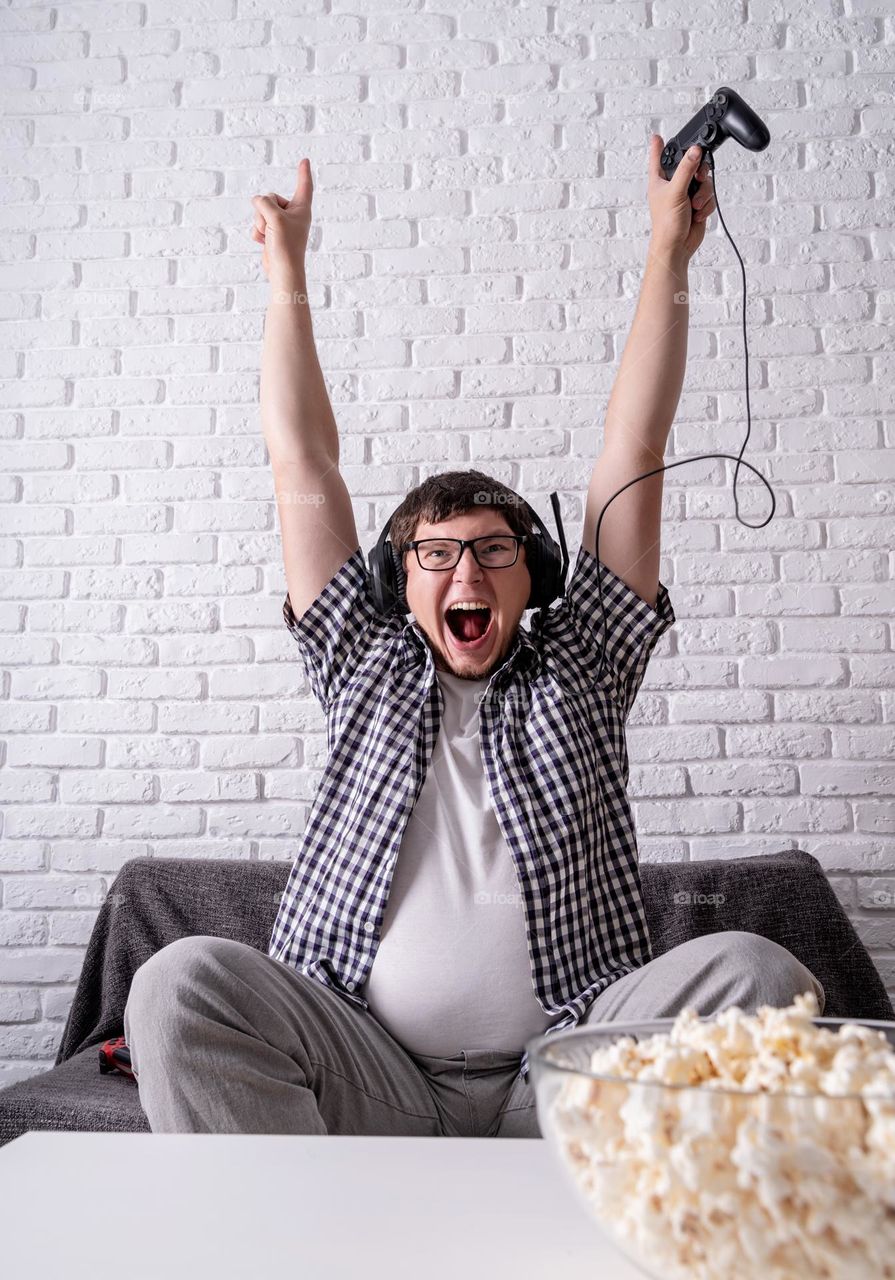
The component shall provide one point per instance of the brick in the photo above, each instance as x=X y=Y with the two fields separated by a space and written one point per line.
x=22 y=929
x=31 y=1040
x=19 y=1004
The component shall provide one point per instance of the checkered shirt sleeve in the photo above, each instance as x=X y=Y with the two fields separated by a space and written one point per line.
x=339 y=630
x=632 y=627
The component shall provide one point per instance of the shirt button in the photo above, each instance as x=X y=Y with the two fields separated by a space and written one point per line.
x=369 y=926
x=350 y=986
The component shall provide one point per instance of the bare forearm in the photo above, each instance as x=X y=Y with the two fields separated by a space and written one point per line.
x=296 y=415
x=651 y=374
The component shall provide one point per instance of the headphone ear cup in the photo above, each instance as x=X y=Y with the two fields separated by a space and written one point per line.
x=374 y=578
x=386 y=580
x=397 y=580
x=545 y=567
x=553 y=579
x=537 y=559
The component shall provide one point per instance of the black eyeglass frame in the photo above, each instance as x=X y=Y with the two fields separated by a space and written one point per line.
x=518 y=538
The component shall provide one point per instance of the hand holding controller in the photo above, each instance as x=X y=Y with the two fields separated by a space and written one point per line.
x=726 y=115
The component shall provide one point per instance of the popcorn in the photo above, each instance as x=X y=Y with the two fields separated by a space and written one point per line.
x=760 y=1171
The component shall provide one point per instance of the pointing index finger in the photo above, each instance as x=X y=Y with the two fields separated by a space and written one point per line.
x=304 y=183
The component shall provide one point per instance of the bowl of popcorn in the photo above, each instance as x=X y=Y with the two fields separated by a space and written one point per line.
x=730 y=1147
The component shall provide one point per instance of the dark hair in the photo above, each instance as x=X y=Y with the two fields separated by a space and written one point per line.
x=454 y=493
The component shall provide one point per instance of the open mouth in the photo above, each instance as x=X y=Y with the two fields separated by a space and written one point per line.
x=469 y=629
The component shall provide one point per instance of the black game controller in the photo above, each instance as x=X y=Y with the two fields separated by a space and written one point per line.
x=725 y=116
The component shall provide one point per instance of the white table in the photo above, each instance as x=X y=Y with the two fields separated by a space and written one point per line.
x=320 y=1207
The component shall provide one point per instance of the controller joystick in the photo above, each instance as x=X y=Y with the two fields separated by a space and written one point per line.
x=724 y=116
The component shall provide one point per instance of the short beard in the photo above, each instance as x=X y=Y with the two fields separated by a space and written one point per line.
x=444 y=661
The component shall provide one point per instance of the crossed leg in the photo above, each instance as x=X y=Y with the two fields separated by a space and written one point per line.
x=709 y=973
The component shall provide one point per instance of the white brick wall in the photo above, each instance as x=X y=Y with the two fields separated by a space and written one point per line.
x=480 y=230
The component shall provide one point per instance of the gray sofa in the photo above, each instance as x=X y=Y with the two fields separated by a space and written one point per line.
x=153 y=901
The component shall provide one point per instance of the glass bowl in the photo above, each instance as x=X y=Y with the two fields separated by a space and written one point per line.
x=696 y=1182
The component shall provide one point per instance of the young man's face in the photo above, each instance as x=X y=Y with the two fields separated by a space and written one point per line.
x=504 y=590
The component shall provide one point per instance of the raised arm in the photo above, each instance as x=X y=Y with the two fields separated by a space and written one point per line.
x=648 y=385
x=317 y=525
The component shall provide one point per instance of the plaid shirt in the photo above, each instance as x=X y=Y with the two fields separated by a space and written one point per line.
x=553 y=744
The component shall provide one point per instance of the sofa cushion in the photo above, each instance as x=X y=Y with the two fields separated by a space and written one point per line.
x=72 y=1096
x=152 y=902
x=785 y=897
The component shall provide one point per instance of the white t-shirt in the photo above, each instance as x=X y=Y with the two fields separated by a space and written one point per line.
x=452 y=970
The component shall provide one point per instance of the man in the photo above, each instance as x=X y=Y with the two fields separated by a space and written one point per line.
x=467 y=878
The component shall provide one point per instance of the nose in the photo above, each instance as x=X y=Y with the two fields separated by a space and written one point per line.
x=468 y=561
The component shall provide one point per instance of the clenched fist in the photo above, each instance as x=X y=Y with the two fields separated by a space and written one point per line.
x=678 y=220
x=283 y=226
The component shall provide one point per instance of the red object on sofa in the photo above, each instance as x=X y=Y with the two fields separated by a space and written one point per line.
x=114 y=1055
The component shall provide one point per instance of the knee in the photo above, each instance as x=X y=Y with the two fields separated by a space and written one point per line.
x=767 y=972
x=165 y=992
x=169 y=970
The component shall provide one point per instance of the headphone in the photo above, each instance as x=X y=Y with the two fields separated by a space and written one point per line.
x=546 y=564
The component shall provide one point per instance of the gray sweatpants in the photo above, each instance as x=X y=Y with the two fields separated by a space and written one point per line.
x=225 y=1039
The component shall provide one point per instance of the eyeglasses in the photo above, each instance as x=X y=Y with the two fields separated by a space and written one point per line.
x=497 y=552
